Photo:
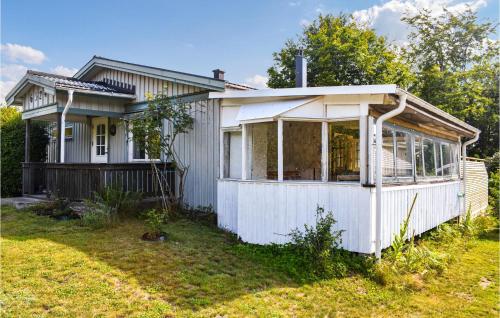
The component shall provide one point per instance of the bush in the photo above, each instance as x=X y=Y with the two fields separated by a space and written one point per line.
x=123 y=202
x=154 y=220
x=99 y=215
x=312 y=254
x=12 y=130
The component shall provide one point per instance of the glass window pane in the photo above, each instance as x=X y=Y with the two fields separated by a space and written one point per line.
x=439 y=167
x=343 y=151
x=263 y=150
x=447 y=159
x=232 y=154
x=301 y=150
x=419 y=163
x=387 y=152
x=403 y=155
x=429 y=159
x=138 y=150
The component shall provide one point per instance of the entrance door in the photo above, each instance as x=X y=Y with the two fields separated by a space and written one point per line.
x=100 y=139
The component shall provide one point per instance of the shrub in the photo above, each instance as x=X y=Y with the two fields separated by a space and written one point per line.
x=124 y=202
x=98 y=215
x=319 y=246
x=12 y=130
x=154 y=220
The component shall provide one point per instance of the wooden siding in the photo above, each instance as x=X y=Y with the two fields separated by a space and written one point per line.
x=477 y=186
x=118 y=146
x=97 y=103
x=36 y=98
x=199 y=149
x=144 y=84
x=267 y=211
x=436 y=204
x=77 y=149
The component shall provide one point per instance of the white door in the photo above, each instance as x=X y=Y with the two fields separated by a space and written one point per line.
x=100 y=139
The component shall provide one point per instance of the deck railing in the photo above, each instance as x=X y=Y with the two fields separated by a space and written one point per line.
x=78 y=181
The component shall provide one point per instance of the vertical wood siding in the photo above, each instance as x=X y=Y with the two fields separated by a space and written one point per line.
x=98 y=103
x=144 y=84
x=118 y=151
x=36 y=98
x=77 y=149
x=265 y=212
x=477 y=186
x=436 y=204
x=199 y=149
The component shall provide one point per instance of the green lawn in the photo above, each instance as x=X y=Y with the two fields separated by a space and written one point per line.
x=58 y=269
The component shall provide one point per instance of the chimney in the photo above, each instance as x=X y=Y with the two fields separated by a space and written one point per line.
x=300 y=69
x=218 y=74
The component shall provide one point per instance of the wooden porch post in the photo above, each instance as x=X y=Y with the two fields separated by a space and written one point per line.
x=27 y=140
x=244 y=151
x=280 y=149
x=59 y=131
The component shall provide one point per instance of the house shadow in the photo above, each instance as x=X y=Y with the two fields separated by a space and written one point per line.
x=196 y=268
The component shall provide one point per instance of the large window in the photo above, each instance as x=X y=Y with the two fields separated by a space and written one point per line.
x=232 y=154
x=137 y=150
x=343 y=151
x=262 y=151
x=387 y=152
x=404 y=161
x=301 y=150
x=429 y=158
x=419 y=159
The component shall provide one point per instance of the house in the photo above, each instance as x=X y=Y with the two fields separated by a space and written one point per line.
x=265 y=159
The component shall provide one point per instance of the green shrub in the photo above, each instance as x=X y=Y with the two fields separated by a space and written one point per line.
x=98 y=215
x=154 y=220
x=123 y=202
x=12 y=130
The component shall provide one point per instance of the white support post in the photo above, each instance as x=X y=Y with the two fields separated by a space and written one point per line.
x=221 y=154
x=363 y=142
x=244 y=137
x=324 y=151
x=369 y=156
x=63 y=124
x=280 y=149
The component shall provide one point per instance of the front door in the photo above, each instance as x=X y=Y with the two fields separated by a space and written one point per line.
x=100 y=139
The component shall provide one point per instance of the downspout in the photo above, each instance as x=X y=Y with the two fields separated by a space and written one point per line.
x=378 y=169
x=464 y=162
x=63 y=123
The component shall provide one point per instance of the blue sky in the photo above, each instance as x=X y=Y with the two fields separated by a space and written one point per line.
x=190 y=36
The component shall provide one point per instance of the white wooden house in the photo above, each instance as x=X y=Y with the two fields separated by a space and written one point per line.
x=264 y=159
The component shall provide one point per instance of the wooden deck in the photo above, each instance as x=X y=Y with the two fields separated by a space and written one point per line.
x=77 y=181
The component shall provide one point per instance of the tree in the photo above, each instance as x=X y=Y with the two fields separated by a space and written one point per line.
x=339 y=52
x=148 y=131
x=12 y=132
x=456 y=68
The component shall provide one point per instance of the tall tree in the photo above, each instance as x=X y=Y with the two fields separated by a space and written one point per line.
x=339 y=52
x=456 y=67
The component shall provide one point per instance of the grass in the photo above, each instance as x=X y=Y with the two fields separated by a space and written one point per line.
x=59 y=269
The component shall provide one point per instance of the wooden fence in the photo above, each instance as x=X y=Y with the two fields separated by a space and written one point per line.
x=78 y=181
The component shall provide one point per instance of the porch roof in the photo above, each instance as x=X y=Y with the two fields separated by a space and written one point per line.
x=53 y=82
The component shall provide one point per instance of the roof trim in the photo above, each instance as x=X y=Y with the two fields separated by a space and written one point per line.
x=161 y=73
x=309 y=91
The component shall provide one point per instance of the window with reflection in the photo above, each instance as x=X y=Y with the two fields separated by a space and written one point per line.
x=419 y=162
x=343 y=151
x=447 y=159
x=404 y=161
x=262 y=151
x=387 y=152
x=429 y=158
x=301 y=150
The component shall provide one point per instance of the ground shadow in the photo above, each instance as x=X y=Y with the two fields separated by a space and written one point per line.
x=196 y=268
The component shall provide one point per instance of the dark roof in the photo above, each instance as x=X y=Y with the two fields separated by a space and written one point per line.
x=238 y=86
x=73 y=83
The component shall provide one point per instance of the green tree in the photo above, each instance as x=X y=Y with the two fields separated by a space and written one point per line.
x=12 y=132
x=339 y=52
x=456 y=67
x=156 y=130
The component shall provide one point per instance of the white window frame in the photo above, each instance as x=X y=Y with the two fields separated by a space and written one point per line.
x=130 y=146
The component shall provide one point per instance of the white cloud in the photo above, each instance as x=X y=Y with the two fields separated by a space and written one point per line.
x=386 y=17
x=5 y=87
x=12 y=72
x=257 y=81
x=64 y=71
x=294 y=3
x=305 y=22
x=21 y=53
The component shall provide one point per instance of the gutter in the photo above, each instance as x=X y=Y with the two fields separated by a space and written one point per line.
x=63 y=123
x=378 y=168
x=464 y=162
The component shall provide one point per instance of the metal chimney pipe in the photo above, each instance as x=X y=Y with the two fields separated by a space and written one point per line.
x=300 y=69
